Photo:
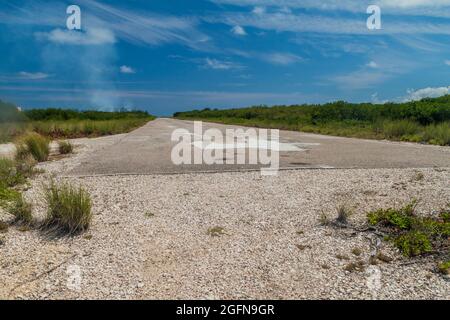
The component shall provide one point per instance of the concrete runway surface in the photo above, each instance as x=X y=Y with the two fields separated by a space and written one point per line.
x=147 y=150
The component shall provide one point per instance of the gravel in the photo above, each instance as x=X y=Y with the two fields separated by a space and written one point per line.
x=149 y=238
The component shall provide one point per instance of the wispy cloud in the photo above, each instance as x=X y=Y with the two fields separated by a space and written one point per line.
x=32 y=75
x=283 y=59
x=24 y=76
x=447 y=62
x=220 y=65
x=103 y=23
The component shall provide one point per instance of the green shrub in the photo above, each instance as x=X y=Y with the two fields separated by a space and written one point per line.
x=413 y=243
x=21 y=210
x=69 y=208
x=65 y=147
x=399 y=218
x=34 y=144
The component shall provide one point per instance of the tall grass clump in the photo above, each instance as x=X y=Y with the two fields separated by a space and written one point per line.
x=69 y=207
x=438 y=134
x=65 y=147
x=400 y=128
x=33 y=144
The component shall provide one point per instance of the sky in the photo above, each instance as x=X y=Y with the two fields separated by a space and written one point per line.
x=165 y=56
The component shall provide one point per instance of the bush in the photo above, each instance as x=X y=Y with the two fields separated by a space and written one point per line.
x=414 y=243
x=65 y=147
x=33 y=144
x=399 y=218
x=69 y=208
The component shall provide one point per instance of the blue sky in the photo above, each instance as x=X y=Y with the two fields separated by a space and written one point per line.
x=173 y=55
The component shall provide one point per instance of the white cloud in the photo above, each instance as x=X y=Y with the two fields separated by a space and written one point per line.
x=281 y=58
x=220 y=65
x=372 y=64
x=127 y=69
x=32 y=76
x=447 y=62
x=238 y=30
x=415 y=95
x=93 y=36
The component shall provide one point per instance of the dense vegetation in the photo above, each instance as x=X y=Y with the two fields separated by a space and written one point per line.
x=59 y=123
x=427 y=120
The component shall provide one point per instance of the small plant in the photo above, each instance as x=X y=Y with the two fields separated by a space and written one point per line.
x=302 y=247
x=444 y=267
x=149 y=214
x=383 y=257
x=413 y=243
x=343 y=213
x=65 y=147
x=33 y=144
x=324 y=220
x=445 y=216
x=216 y=231
x=69 y=208
x=3 y=227
x=22 y=211
x=419 y=176
x=342 y=257
x=358 y=266
x=357 y=252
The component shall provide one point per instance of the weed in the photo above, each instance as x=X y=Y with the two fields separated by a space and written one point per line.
x=65 y=147
x=216 y=231
x=69 y=208
x=357 y=252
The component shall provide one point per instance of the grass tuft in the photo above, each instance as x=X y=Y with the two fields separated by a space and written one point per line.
x=69 y=208
x=32 y=144
x=343 y=213
x=22 y=211
x=65 y=147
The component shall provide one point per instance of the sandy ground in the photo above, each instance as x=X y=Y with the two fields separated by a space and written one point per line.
x=149 y=238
